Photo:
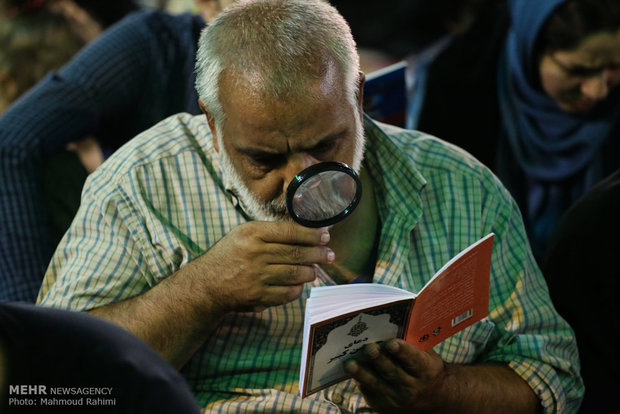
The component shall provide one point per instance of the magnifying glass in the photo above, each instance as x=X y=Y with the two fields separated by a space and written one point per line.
x=323 y=194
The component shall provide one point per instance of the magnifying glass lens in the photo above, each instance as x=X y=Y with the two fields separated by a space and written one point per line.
x=323 y=194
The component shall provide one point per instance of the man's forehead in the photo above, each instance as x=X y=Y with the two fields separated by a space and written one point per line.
x=256 y=118
x=324 y=78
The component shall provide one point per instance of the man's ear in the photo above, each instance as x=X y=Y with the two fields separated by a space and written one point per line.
x=360 y=90
x=211 y=123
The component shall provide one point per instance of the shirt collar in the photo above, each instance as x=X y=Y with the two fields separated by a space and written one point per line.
x=398 y=183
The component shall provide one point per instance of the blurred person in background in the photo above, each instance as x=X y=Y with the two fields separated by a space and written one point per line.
x=536 y=101
x=400 y=28
x=458 y=85
x=560 y=106
x=134 y=74
x=418 y=31
x=50 y=348
x=581 y=269
x=527 y=87
x=33 y=43
x=39 y=36
x=35 y=40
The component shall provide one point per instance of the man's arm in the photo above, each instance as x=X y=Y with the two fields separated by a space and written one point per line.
x=167 y=317
x=399 y=378
x=256 y=265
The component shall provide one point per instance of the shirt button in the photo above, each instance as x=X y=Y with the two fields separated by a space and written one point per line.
x=337 y=398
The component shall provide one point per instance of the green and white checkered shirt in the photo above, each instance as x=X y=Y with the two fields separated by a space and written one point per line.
x=160 y=202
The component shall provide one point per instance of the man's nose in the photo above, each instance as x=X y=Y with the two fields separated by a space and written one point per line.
x=295 y=165
x=597 y=87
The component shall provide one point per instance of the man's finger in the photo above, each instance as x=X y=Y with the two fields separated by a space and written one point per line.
x=361 y=374
x=287 y=275
x=288 y=232
x=281 y=295
x=412 y=360
x=369 y=382
x=383 y=364
x=296 y=254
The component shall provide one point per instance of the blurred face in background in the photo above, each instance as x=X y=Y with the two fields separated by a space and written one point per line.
x=33 y=43
x=578 y=79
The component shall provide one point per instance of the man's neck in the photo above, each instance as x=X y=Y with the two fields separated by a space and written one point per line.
x=354 y=240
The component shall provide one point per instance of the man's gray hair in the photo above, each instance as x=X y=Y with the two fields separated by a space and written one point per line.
x=281 y=45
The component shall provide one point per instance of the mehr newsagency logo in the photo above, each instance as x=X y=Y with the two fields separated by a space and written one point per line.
x=44 y=396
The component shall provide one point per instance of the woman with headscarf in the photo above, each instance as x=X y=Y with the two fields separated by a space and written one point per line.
x=559 y=104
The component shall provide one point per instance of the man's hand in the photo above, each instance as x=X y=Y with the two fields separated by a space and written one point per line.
x=260 y=264
x=398 y=378
x=256 y=265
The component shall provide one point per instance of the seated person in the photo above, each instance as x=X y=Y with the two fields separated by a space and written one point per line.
x=434 y=38
x=537 y=101
x=465 y=95
x=184 y=239
x=39 y=37
x=55 y=348
x=135 y=74
x=581 y=269
x=560 y=106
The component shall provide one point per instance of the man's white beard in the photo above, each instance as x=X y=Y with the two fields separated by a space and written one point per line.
x=273 y=210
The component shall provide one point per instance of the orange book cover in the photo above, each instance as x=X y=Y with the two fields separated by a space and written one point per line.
x=456 y=297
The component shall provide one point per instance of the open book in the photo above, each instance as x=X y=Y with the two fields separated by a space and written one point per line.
x=341 y=319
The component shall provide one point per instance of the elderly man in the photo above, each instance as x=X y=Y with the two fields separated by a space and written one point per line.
x=184 y=239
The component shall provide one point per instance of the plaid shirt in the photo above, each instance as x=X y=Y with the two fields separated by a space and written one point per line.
x=161 y=201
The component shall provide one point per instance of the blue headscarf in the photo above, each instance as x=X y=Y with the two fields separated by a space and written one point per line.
x=547 y=157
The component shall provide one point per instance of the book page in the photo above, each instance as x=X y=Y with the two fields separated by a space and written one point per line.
x=338 y=339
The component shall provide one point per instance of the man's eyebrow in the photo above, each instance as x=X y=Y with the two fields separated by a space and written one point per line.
x=326 y=140
x=261 y=152
x=256 y=152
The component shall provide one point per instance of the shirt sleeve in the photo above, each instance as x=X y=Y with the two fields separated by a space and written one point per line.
x=529 y=335
x=99 y=259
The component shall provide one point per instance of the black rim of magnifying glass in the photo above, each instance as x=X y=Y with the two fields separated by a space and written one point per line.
x=311 y=172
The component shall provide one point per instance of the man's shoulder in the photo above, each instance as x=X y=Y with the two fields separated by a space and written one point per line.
x=430 y=154
x=171 y=141
x=439 y=166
